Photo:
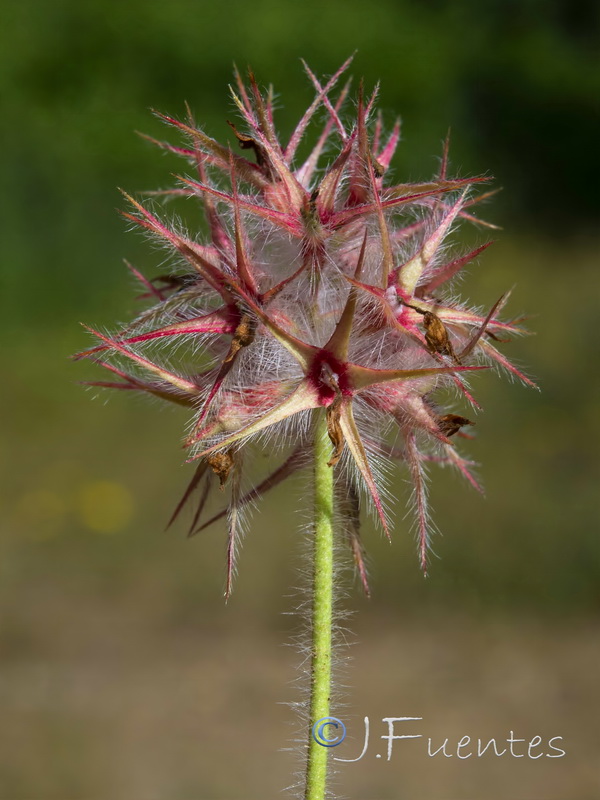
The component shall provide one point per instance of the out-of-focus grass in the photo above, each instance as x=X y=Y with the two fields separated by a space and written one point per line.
x=121 y=710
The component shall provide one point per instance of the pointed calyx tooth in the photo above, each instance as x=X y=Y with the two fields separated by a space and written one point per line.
x=221 y=464
x=449 y=424
x=496 y=338
x=334 y=429
x=334 y=326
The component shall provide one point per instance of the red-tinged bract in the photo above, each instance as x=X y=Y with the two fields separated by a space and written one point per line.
x=322 y=287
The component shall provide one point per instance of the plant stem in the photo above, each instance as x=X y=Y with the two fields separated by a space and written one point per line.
x=322 y=609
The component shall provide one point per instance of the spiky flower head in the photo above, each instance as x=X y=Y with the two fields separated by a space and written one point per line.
x=321 y=289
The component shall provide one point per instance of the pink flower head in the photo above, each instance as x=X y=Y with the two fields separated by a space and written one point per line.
x=322 y=288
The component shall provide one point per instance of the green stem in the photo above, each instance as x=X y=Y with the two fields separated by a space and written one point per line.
x=322 y=609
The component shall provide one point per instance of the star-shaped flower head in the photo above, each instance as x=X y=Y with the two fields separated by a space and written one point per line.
x=320 y=289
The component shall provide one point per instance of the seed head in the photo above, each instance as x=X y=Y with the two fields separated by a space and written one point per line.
x=321 y=288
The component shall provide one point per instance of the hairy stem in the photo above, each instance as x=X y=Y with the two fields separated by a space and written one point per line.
x=322 y=609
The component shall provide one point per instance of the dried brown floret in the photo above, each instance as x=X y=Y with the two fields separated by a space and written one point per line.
x=449 y=424
x=334 y=429
x=221 y=464
x=436 y=335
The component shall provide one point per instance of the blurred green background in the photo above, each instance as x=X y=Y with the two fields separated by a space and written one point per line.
x=122 y=672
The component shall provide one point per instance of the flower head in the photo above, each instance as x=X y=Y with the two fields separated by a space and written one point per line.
x=322 y=288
